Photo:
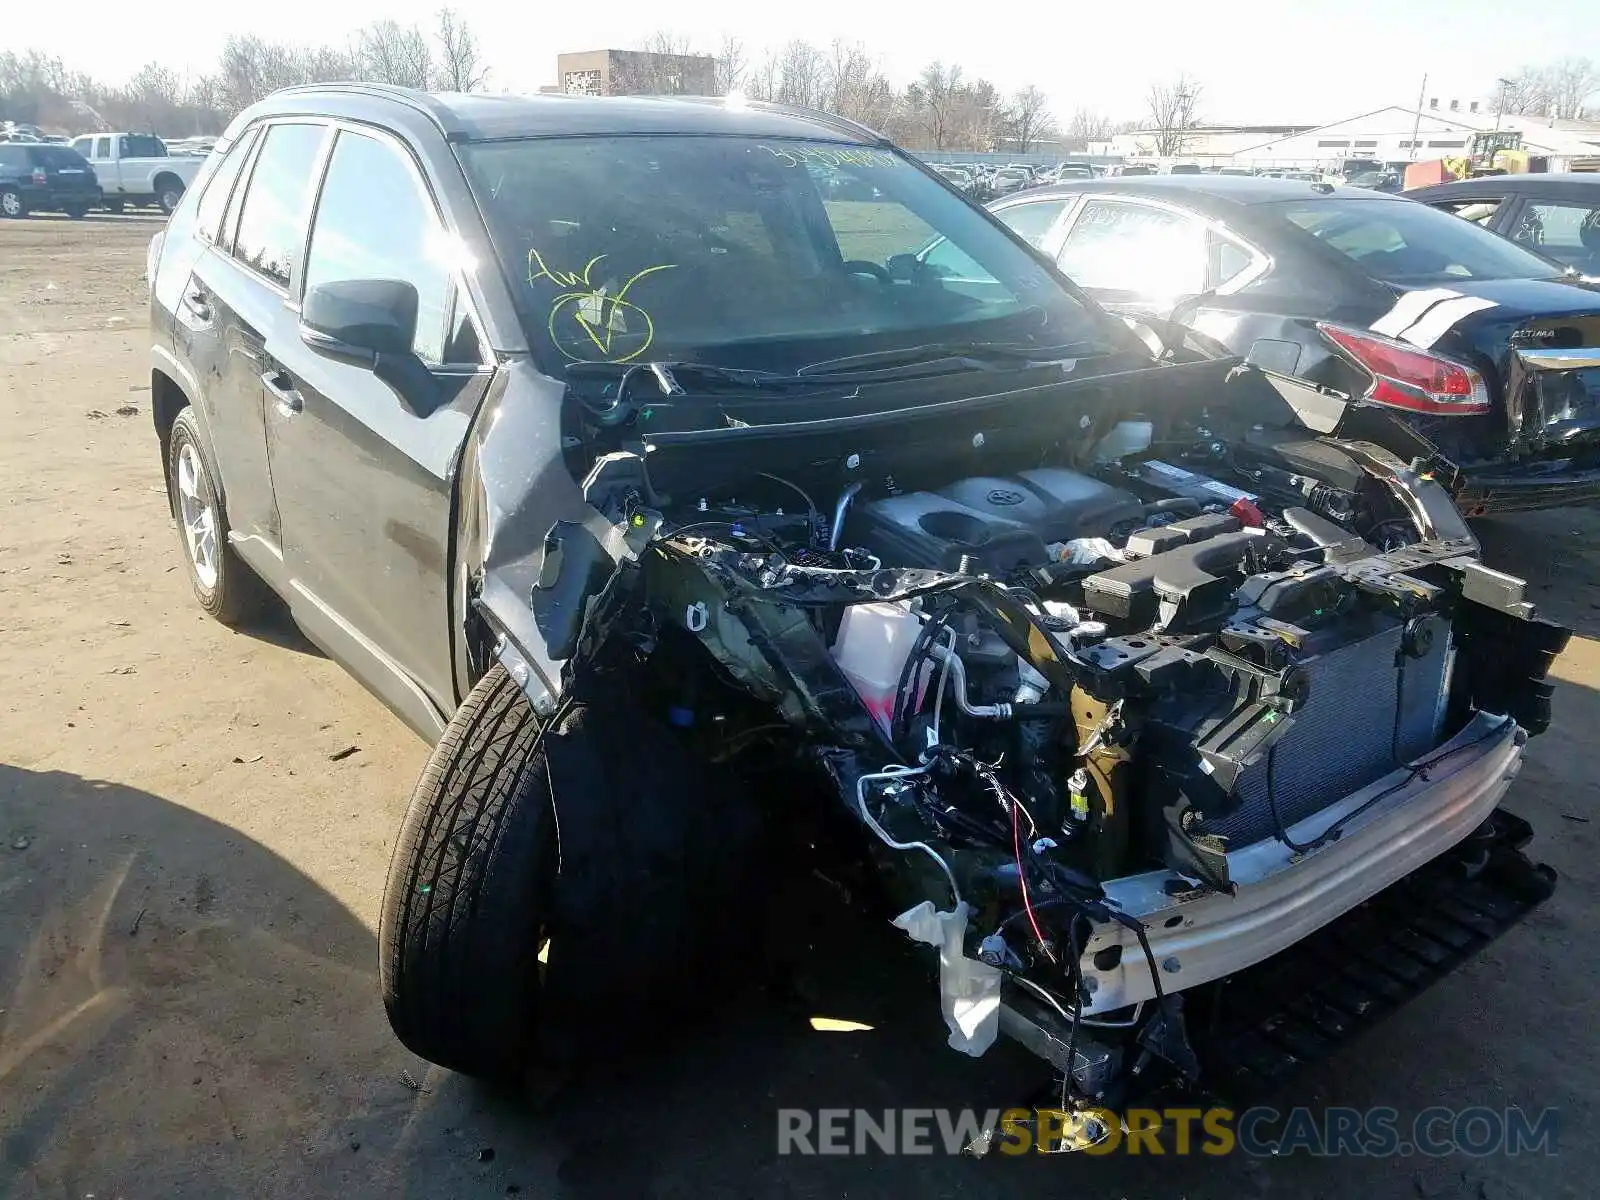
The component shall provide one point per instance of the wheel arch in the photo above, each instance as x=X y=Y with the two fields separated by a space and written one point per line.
x=173 y=389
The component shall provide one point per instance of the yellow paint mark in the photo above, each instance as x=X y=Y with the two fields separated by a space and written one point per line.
x=599 y=315
x=838 y=1025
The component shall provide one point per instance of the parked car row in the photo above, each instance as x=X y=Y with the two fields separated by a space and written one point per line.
x=106 y=170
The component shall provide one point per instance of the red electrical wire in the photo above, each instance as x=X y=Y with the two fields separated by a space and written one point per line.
x=1022 y=875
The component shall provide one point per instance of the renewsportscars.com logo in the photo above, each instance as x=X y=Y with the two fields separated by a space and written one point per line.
x=1260 y=1132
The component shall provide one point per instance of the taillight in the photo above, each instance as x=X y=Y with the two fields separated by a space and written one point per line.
x=1406 y=377
x=39 y=177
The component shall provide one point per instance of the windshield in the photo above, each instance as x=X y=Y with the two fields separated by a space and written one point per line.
x=1405 y=242
x=750 y=252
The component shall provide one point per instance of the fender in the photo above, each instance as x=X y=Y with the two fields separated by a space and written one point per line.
x=533 y=548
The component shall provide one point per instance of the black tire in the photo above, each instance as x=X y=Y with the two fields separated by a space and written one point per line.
x=114 y=206
x=169 y=193
x=600 y=835
x=12 y=203
x=466 y=904
x=232 y=592
x=76 y=211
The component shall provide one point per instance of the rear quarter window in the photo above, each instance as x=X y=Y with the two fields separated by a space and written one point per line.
x=1401 y=241
x=53 y=158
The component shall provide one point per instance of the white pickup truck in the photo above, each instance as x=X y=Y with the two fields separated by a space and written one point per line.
x=135 y=168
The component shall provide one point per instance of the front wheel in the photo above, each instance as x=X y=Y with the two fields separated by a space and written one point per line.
x=467 y=900
x=114 y=206
x=562 y=887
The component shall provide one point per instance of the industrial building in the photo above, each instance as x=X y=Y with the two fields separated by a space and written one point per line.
x=635 y=72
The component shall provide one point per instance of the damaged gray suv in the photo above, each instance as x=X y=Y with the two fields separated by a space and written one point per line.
x=632 y=453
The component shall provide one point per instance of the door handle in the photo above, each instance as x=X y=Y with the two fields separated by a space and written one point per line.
x=278 y=382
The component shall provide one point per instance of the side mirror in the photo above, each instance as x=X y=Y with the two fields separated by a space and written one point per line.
x=371 y=323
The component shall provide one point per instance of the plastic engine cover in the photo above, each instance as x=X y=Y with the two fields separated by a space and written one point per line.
x=1002 y=522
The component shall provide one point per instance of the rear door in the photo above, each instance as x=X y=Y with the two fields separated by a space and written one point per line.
x=1563 y=228
x=238 y=296
x=364 y=484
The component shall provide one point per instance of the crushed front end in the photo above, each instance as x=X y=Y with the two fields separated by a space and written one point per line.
x=1120 y=708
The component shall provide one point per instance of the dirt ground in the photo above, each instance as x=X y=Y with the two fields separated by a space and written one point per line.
x=190 y=872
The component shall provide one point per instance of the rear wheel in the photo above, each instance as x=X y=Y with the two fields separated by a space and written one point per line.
x=169 y=191
x=225 y=586
x=76 y=211
x=11 y=204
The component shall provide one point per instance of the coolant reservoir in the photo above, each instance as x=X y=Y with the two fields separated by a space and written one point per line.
x=872 y=647
x=1125 y=438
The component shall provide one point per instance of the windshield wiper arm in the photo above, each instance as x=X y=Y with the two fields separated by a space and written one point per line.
x=967 y=356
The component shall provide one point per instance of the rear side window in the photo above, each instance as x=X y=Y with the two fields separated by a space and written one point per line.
x=272 y=220
x=1480 y=210
x=141 y=145
x=1399 y=241
x=1564 y=231
x=1119 y=246
x=1032 y=221
x=11 y=156
x=54 y=158
x=374 y=221
x=214 y=200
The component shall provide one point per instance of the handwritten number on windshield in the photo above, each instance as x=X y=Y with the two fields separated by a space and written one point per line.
x=586 y=320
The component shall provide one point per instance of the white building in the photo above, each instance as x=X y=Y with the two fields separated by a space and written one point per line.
x=1398 y=134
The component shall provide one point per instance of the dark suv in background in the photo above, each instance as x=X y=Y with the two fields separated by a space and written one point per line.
x=45 y=178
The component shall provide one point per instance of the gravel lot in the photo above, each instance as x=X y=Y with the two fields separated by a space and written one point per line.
x=189 y=882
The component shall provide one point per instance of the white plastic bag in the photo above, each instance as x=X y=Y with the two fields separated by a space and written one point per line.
x=969 y=990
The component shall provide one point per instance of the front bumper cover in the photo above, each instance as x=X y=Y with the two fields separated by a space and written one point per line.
x=1283 y=897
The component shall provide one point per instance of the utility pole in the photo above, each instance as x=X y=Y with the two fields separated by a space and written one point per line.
x=1500 y=102
x=1416 y=125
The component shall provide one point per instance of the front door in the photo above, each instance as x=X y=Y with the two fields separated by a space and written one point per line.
x=363 y=482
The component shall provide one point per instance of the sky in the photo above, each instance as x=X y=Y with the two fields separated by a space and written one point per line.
x=1291 y=62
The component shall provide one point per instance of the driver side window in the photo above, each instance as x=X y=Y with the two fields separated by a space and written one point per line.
x=375 y=222
x=1123 y=246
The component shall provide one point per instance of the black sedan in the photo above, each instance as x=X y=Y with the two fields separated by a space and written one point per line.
x=1491 y=352
x=1556 y=215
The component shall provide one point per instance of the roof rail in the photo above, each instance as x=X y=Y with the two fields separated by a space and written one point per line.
x=418 y=101
x=821 y=116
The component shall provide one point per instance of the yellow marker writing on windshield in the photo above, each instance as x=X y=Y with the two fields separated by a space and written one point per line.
x=593 y=317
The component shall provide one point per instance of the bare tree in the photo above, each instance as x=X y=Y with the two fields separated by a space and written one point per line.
x=731 y=66
x=1028 y=118
x=802 y=75
x=1560 y=89
x=1173 y=114
x=1088 y=125
x=389 y=52
x=856 y=88
x=1524 y=92
x=460 y=67
x=934 y=97
x=1572 y=81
